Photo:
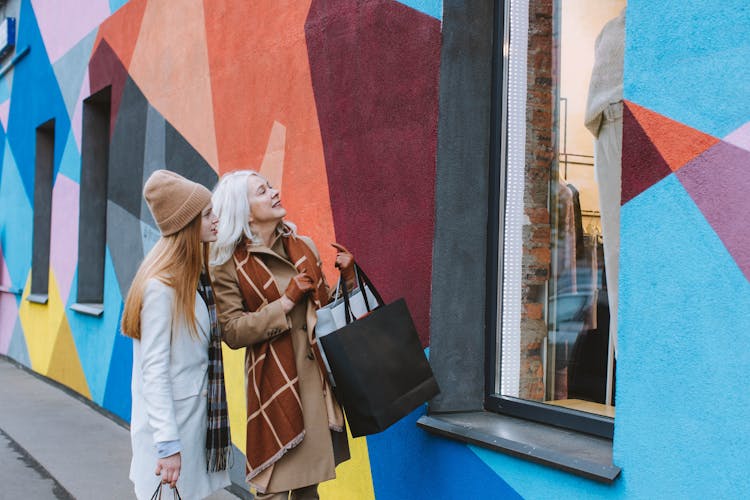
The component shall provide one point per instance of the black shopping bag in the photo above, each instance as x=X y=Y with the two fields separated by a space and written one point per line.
x=379 y=365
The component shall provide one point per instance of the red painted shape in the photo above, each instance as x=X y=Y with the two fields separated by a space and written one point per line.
x=260 y=75
x=121 y=30
x=375 y=72
x=677 y=143
x=642 y=164
x=105 y=68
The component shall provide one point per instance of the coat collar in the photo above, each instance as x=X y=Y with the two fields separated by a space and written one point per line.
x=276 y=250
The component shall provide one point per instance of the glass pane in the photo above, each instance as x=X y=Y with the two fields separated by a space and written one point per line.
x=563 y=62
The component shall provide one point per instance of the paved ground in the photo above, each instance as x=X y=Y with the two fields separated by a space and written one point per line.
x=54 y=446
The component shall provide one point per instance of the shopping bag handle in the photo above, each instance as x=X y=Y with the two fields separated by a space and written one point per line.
x=362 y=280
x=157 y=492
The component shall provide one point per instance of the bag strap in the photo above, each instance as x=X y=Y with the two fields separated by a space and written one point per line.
x=364 y=284
x=157 y=492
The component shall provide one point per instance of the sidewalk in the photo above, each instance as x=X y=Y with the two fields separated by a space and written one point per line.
x=67 y=448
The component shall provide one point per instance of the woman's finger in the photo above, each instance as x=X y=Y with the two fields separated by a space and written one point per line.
x=340 y=248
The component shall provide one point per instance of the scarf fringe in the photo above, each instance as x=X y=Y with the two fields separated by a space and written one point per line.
x=219 y=459
x=275 y=458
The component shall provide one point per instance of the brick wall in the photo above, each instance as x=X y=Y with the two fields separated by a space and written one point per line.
x=541 y=138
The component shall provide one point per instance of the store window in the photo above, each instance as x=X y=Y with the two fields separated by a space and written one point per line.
x=555 y=343
x=43 y=172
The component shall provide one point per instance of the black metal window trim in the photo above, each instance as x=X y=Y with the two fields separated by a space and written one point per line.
x=530 y=410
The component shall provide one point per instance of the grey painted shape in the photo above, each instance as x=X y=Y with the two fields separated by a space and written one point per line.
x=182 y=158
x=43 y=170
x=149 y=236
x=92 y=232
x=153 y=156
x=17 y=348
x=237 y=474
x=126 y=152
x=124 y=242
x=71 y=68
x=457 y=312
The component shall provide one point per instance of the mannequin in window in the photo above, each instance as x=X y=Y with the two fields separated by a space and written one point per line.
x=604 y=121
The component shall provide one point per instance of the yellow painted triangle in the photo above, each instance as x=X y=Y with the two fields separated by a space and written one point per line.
x=41 y=324
x=353 y=477
x=234 y=381
x=65 y=365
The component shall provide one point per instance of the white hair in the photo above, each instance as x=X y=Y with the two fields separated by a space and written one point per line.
x=231 y=205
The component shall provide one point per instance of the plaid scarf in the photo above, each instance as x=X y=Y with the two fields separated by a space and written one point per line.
x=274 y=410
x=218 y=443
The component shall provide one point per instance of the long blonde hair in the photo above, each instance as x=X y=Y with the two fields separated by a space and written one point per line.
x=232 y=208
x=176 y=260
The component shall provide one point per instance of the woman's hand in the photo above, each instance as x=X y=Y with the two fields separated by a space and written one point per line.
x=169 y=469
x=345 y=263
x=296 y=290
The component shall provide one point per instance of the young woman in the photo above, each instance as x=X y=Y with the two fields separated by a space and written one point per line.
x=269 y=282
x=179 y=427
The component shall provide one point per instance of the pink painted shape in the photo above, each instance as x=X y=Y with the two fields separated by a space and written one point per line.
x=64 y=235
x=4 y=113
x=740 y=137
x=77 y=121
x=63 y=24
x=8 y=308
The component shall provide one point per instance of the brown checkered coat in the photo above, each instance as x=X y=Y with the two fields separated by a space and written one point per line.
x=288 y=442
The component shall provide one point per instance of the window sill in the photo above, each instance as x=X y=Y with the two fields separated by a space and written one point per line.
x=92 y=309
x=10 y=289
x=38 y=298
x=571 y=451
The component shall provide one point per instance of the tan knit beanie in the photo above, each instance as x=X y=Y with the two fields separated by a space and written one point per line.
x=173 y=200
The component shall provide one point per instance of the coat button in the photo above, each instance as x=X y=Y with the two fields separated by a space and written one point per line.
x=304 y=326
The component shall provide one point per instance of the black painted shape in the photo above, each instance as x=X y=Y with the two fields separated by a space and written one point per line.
x=182 y=158
x=92 y=227
x=44 y=162
x=127 y=150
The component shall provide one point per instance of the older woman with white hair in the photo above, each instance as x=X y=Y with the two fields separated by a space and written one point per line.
x=269 y=282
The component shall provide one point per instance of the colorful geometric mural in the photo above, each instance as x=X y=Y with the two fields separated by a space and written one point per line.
x=205 y=89
x=337 y=102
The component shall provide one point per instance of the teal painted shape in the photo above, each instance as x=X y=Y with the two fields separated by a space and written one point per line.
x=534 y=481
x=4 y=90
x=118 y=398
x=70 y=70
x=116 y=4
x=681 y=429
x=432 y=8
x=688 y=60
x=17 y=348
x=70 y=163
x=94 y=337
x=16 y=221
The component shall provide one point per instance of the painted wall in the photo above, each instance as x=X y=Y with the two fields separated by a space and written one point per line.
x=336 y=102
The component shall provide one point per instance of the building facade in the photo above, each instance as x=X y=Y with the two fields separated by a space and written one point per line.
x=449 y=145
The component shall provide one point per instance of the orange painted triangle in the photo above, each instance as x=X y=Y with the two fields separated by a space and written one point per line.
x=676 y=142
x=121 y=30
